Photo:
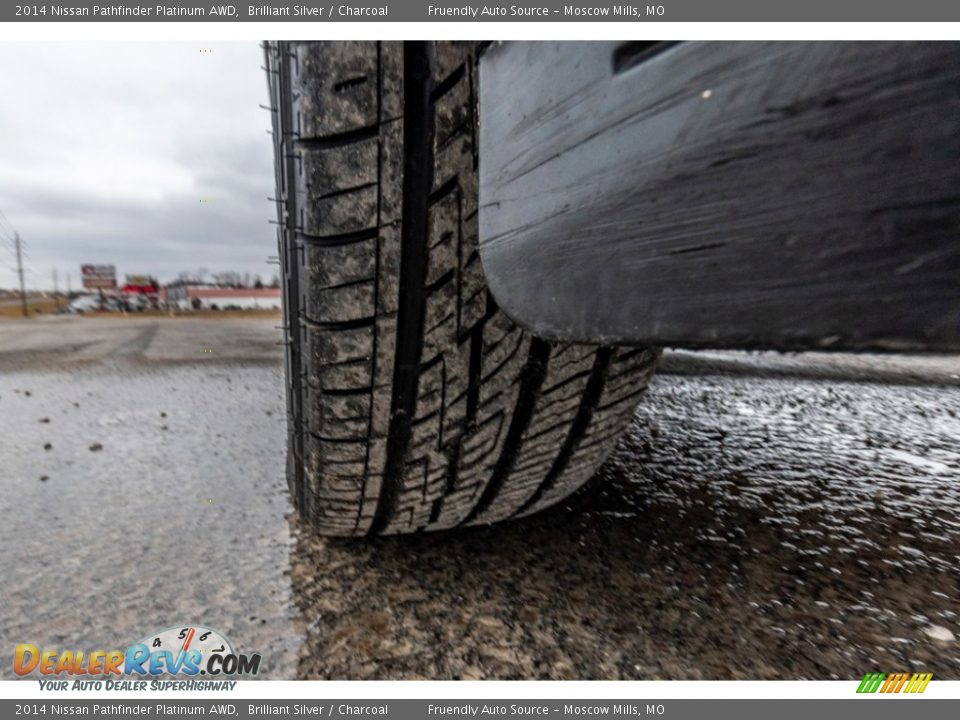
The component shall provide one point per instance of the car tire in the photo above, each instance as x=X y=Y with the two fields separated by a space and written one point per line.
x=414 y=402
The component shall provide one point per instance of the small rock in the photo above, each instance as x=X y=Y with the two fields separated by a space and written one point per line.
x=162 y=414
x=76 y=404
x=47 y=446
x=44 y=420
x=44 y=478
x=163 y=427
x=26 y=393
x=472 y=672
x=938 y=632
x=96 y=447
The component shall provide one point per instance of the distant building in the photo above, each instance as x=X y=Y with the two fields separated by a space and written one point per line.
x=198 y=297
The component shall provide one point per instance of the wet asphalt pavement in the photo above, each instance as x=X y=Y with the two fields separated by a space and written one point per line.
x=765 y=516
x=141 y=484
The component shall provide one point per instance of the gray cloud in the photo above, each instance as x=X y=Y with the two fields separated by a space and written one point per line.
x=107 y=149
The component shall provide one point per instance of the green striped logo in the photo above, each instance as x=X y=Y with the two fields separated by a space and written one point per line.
x=871 y=682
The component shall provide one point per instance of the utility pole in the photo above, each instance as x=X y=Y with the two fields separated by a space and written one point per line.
x=56 y=289
x=23 y=292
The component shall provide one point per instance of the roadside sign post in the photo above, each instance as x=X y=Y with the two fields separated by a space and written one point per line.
x=99 y=278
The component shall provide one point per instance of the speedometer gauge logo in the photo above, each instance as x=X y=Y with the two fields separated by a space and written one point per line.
x=202 y=639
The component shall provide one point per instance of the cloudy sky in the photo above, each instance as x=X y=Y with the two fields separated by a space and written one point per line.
x=107 y=149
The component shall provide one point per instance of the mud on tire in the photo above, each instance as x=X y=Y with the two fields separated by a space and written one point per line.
x=414 y=403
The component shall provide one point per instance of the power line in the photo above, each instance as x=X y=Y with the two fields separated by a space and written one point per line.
x=13 y=245
x=7 y=233
x=11 y=230
x=18 y=247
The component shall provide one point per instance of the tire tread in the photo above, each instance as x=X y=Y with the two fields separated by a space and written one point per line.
x=415 y=404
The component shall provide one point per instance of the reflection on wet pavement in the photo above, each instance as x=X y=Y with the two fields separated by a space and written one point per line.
x=135 y=497
x=750 y=525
